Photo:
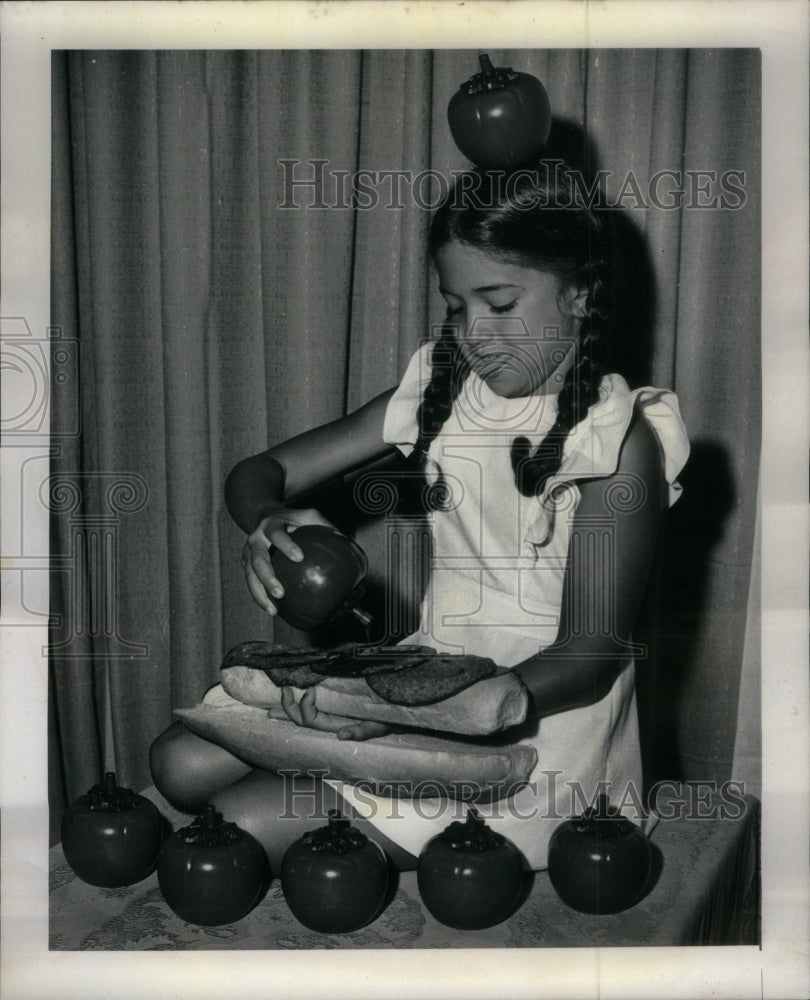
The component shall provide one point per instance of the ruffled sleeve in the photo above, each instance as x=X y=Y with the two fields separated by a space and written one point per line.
x=663 y=413
x=593 y=447
x=400 y=427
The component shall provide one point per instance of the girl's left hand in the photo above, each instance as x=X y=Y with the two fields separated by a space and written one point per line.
x=304 y=713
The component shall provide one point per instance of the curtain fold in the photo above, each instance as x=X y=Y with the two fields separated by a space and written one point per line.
x=747 y=763
x=75 y=741
x=226 y=297
x=717 y=375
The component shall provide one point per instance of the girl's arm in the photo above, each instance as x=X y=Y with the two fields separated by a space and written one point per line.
x=602 y=581
x=257 y=488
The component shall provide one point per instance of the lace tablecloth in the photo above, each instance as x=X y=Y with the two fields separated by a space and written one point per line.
x=705 y=892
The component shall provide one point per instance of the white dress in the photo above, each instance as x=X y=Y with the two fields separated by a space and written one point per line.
x=496 y=589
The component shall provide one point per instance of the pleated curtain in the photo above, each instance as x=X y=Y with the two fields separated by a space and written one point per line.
x=213 y=322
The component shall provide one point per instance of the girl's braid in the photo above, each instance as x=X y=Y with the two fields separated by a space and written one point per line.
x=440 y=392
x=448 y=372
x=579 y=392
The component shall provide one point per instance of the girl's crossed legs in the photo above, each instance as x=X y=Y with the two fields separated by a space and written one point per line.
x=190 y=771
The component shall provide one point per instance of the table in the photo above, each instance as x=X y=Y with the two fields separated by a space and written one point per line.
x=706 y=891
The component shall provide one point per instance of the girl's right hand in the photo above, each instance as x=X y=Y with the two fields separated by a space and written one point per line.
x=275 y=531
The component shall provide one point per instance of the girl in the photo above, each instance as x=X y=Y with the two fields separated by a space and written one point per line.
x=547 y=475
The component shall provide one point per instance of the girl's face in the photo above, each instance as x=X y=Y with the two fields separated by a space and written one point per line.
x=515 y=326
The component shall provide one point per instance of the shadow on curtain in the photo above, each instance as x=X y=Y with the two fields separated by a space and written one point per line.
x=213 y=323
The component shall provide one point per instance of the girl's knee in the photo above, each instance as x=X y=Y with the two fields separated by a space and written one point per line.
x=187 y=770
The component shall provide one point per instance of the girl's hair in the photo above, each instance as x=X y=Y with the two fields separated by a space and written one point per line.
x=544 y=217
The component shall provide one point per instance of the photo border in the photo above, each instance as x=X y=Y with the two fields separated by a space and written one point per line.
x=779 y=969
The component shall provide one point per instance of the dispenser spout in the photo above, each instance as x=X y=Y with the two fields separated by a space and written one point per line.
x=363 y=617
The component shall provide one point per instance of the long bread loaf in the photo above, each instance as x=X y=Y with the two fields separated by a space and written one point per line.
x=401 y=763
x=488 y=706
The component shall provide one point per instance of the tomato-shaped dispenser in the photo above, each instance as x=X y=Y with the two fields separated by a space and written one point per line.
x=111 y=836
x=500 y=118
x=470 y=877
x=212 y=872
x=326 y=582
x=335 y=878
x=599 y=862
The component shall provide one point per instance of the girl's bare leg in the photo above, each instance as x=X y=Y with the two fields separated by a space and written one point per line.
x=277 y=811
x=187 y=770
x=190 y=771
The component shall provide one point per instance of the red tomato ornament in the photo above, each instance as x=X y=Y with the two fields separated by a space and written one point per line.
x=212 y=872
x=111 y=836
x=500 y=118
x=335 y=879
x=599 y=862
x=326 y=582
x=470 y=877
